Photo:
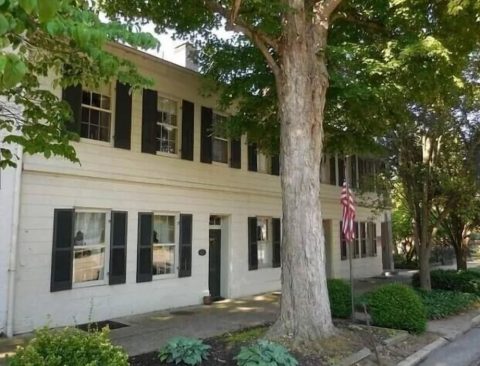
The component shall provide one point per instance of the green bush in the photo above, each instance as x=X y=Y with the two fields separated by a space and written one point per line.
x=400 y=262
x=265 y=353
x=452 y=280
x=397 y=306
x=340 y=300
x=440 y=304
x=190 y=351
x=70 y=347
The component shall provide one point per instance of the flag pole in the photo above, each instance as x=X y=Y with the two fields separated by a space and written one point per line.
x=350 y=243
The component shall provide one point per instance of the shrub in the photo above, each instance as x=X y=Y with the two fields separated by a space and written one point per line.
x=265 y=353
x=189 y=351
x=71 y=347
x=340 y=300
x=397 y=306
x=451 y=280
x=440 y=304
x=400 y=262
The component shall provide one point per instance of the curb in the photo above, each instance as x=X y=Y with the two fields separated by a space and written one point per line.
x=422 y=353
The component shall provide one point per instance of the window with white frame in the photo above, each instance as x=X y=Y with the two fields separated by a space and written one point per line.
x=90 y=242
x=164 y=242
x=96 y=114
x=219 y=141
x=263 y=163
x=167 y=126
x=264 y=242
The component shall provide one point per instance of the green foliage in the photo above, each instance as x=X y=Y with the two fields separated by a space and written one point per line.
x=189 y=351
x=451 y=280
x=397 y=306
x=265 y=353
x=61 y=41
x=440 y=304
x=401 y=262
x=71 y=347
x=340 y=298
x=245 y=335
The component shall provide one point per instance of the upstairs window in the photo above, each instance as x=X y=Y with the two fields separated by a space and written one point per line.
x=219 y=141
x=167 y=126
x=263 y=163
x=96 y=114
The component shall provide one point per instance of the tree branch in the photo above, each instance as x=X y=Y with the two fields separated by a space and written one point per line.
x=236 y=24
x=325 y=8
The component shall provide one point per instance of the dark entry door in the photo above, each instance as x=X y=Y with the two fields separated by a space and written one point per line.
x=214 y=266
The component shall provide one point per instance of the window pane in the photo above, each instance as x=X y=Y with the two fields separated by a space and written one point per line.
x=164 y=229
x=219 y=150
x=84 y=130
x=163 y=259
x=95 y=100
x=94 y=117
x=85 y=114
x=89 y=228
x=105 y=119
x=104 y=134
x=88 y=264
x=262 y=229
x=105 y=102
x=86 y=97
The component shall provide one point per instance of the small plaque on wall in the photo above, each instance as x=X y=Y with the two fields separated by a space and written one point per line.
x=202 y=252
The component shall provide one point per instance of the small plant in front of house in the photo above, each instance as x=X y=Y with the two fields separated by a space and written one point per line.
x=70 y=347
x=189 y=351
x=265 y=353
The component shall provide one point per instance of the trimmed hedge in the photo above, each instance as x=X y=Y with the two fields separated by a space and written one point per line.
x=452 y=280
x=339 y=294
x=397 y=306
x=440 y=304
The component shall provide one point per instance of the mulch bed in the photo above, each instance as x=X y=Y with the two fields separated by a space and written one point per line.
x=349 y=339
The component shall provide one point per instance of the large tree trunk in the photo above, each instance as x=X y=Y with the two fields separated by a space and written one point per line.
x=461 y=253
x=305 y=309
x=424 y=265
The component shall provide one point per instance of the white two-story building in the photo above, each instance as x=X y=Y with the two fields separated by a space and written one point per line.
x=159 y=213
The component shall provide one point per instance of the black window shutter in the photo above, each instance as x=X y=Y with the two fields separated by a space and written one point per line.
x=275 y=165
x=276 y=239
x=188 y=112
x=145 y=250
x=149 y=121
x=185 y=267
x=62 y=253
x=73 y=96
x=123 y=116
x=236 y=154
x=206 y=135
x=252 y=244
x=118 y=248
x=252 y=157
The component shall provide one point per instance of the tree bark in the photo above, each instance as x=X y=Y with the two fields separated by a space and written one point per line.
x=305 y=309
x=461 y=253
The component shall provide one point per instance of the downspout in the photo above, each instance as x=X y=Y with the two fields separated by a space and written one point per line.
x=12 y=265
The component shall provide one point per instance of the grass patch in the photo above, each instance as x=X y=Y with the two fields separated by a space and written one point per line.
x=440 y=304
x=247 y=335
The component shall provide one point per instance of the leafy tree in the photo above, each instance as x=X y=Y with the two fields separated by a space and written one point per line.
x=59 y=41
x=381 y=56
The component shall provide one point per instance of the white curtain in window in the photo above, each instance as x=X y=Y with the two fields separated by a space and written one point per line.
x=89 y=228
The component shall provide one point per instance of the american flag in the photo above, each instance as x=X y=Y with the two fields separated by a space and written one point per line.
x=348 y=216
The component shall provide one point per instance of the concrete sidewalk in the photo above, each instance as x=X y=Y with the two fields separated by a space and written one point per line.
x=148 y=332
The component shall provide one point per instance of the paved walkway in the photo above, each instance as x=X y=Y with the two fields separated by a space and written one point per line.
x=148 y=332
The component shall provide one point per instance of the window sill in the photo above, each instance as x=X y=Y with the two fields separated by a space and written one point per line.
x=167 y=155
x=89 y=284
x=217 y=163
x=168 y=276
x=95 y=142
